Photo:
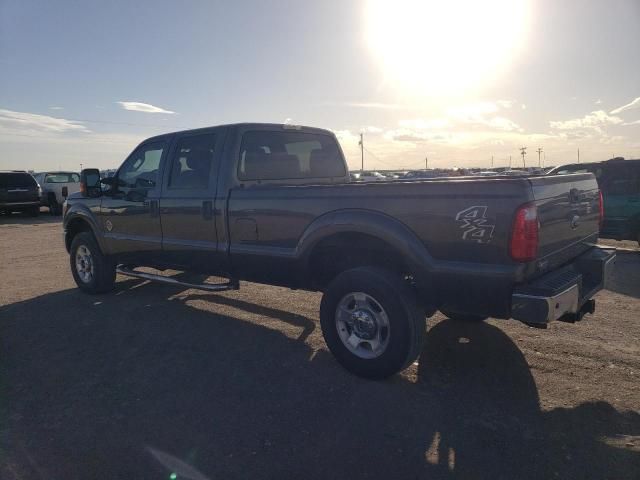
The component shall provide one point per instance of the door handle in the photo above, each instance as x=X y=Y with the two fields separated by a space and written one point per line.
x=207 y=209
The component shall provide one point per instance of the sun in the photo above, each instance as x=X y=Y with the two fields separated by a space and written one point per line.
x=445 y=47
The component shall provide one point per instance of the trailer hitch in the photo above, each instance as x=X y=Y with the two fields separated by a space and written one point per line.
x=587 y=307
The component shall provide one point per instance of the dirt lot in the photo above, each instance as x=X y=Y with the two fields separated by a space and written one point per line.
x=153 y=379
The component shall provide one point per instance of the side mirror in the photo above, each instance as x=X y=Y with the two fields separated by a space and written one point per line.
x=90 y=182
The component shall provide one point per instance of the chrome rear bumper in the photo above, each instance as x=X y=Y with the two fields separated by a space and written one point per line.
x=564 y=294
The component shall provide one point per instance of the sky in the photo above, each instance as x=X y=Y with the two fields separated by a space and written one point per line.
x=454 y=81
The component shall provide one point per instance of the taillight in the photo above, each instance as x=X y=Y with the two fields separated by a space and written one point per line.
x=601 y=208
x=524 y=234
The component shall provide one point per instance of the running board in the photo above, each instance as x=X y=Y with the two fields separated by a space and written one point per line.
x=233 y=284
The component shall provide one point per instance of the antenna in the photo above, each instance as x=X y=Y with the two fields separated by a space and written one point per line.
x=523 y=152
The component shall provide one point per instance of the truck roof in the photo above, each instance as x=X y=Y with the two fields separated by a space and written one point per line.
x=249 y=125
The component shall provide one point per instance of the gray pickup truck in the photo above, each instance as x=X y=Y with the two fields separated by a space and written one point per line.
x=273 y=204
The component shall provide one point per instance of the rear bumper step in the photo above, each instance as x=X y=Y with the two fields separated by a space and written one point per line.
x=564 y=294
x=232 y=284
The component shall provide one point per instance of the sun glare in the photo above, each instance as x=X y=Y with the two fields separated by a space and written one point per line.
x=442 y=47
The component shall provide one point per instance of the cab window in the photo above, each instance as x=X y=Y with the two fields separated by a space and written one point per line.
x=271 y=155
x=192 y=162
x=140 y=170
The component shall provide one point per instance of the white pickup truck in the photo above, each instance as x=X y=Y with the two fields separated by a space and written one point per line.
x=56 y=186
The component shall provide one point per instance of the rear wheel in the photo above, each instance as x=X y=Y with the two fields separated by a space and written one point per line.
x=463 y=317
x=371 y=322
x=92 y=271
x=54 y=207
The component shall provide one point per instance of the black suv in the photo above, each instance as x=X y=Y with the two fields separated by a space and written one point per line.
x=19 y=192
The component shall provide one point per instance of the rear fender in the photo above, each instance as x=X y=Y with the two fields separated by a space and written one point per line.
x=378 y=225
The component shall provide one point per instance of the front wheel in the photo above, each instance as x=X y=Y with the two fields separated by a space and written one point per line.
x=371 y=322
x=92 y=271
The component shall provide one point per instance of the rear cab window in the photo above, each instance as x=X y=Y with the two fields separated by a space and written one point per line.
x=62 y=178
x=9 y=180
x=287 y=155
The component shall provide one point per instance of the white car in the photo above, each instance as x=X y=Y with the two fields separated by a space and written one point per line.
x=368 y=176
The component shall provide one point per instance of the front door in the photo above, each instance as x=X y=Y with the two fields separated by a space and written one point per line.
x=129 y=212
x=189 y=239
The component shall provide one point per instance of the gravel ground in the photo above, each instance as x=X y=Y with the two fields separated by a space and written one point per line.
x=151 y=380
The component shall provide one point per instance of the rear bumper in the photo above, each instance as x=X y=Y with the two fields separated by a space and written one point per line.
x=564 y=293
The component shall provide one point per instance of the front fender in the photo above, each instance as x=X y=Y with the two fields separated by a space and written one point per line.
x=81 y=212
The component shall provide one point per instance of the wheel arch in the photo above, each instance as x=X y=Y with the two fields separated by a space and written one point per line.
x=79 y=221
x=363 y=231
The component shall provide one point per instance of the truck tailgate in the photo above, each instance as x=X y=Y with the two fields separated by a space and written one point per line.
x=569 y=216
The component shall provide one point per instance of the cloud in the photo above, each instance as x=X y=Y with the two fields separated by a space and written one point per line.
x=594 y=121
x=598 y=102
x=143 y=107
x=635 y=103
x=635 y=122
x=56 y=108
x=23 y=122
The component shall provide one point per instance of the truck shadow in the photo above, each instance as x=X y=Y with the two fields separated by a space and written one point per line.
x=91 y=385
x=625 y=278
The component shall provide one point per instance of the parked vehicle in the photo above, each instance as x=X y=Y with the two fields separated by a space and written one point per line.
x=369 y=176
x=619 y=181
x=273 y=204
x=19 y=192
x=56 y=186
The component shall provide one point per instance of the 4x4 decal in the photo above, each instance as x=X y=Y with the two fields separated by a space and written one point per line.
x=475 y=225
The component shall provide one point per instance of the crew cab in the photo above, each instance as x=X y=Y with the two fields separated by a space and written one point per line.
x=274 y=204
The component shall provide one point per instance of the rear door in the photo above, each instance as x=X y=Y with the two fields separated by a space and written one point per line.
x=187 y=203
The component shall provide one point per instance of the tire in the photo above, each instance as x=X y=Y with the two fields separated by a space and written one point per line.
x=463 y=317
x=372 y=296
x=98 y=273
x=54 y=207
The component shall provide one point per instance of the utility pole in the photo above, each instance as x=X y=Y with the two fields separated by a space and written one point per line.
x=491 y=161
x=80 y=167
x=578 y=155
x=523 y=152
x=539 y=152
x=426 y=163
x=361 y=143
x=544 y=159
x=509 y=162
